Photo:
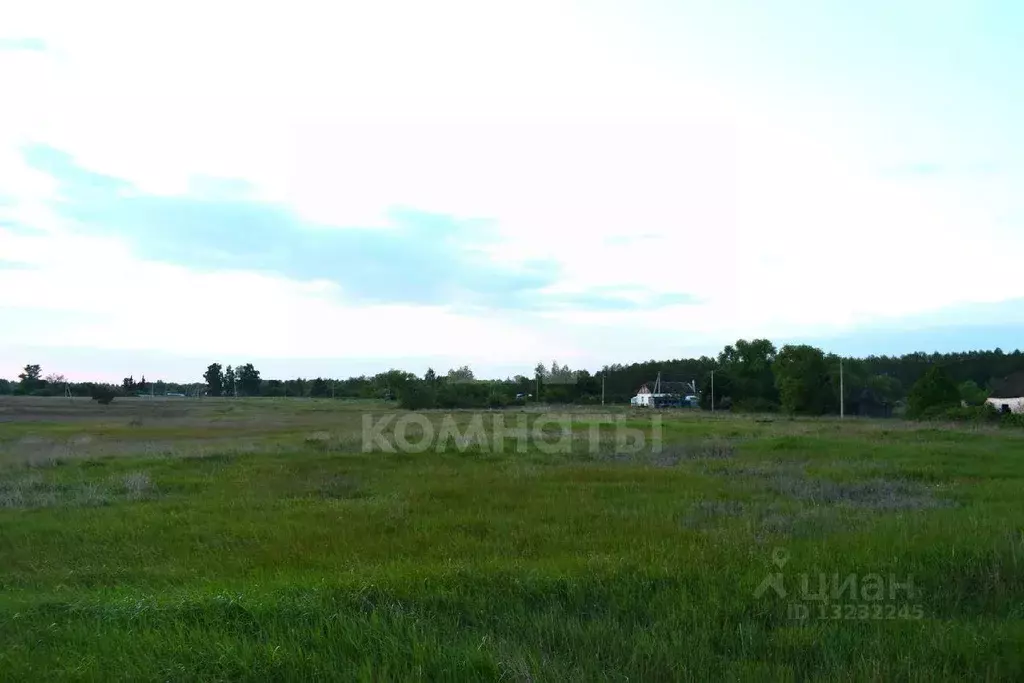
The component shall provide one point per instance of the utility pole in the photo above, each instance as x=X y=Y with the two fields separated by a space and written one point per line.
x=712 y=391
x=602 y=388
x=842 y=396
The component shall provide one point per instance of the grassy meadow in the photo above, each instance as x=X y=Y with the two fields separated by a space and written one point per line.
x=253 y=539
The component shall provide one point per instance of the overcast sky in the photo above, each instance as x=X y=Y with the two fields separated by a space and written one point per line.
x=339 y=188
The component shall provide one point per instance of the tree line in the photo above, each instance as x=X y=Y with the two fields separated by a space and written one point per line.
x=748 y=375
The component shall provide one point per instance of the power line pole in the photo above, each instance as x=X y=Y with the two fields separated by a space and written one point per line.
x=602 y=388
x=712 y=391
x=842 y=396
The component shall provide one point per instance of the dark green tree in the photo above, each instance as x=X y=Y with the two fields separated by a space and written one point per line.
x=971 y=393
x=933 y=393
x=230 y=381
x=462 y=374
x=272 y=387
x=722 y=387
x=417 y=396
x=853 y=380
x=248 y=379
x=886 y=388
x=391 y=383
x=214 y=377
x=103 y=394
x=31 y=379
x=319 y=388
x=749 y=363
x=295 y=387
x=523 y=385
x=802 y=378
x=540 y=377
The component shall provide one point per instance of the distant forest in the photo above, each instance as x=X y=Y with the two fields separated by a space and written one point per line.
x=751 y=375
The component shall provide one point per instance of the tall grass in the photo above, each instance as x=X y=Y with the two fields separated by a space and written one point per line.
x=300 y=557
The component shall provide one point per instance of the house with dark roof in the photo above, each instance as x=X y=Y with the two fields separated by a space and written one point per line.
x=1008 y=394
x=676 y=388
x=661 y=393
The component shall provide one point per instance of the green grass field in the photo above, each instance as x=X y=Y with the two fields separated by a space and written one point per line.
x=253 y=540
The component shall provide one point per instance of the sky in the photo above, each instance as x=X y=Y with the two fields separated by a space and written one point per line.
x=342 y=188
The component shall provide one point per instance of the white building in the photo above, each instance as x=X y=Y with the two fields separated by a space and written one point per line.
x=647 y=394
x=1009 y=393
x=1015 y=404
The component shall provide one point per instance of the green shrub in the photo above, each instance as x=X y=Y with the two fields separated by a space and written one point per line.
x=417 y=397
x=1011 y=420
x=935 y=391
x=755 y=405
x=452 y=396
x=983 y=414
x=972 y=394
x=103 y=394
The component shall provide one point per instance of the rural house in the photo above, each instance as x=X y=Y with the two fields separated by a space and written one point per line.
x=1008 y=392
x=654 y=393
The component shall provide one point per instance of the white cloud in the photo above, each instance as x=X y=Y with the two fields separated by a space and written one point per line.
x=535 y=114
x=113 y=301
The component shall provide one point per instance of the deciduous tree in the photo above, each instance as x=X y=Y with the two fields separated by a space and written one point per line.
x=971 y=393
x=934 y=392
x=749 y=363
x=230 y=381
x=319 y=388
x=248 y=379
x=103 y=394
x=214 y=377
x=30 y=378
x=802 y=377
x=461 y=374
